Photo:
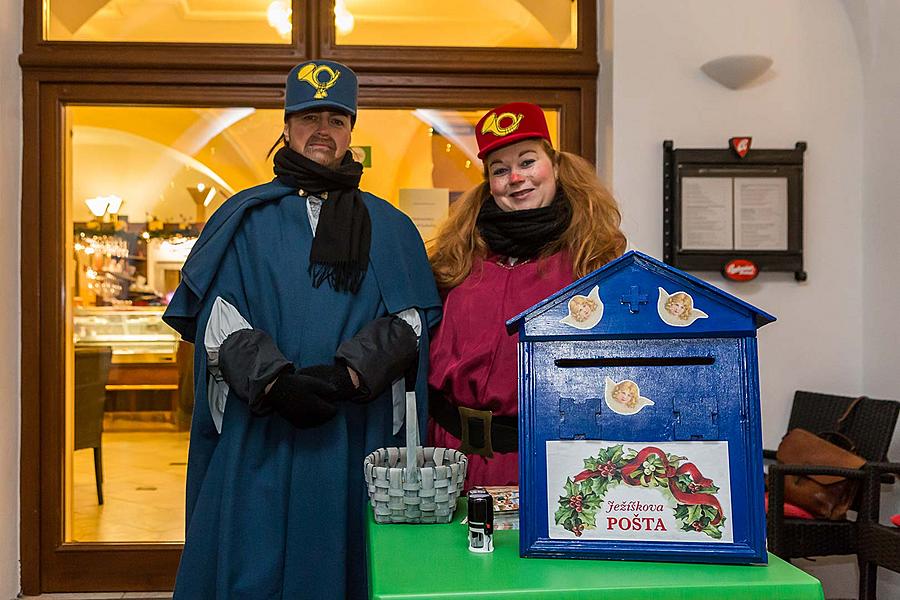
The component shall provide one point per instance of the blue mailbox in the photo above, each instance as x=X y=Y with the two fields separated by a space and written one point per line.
x=639 y=419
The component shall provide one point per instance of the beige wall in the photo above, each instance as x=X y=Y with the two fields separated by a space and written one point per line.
x=10 y=153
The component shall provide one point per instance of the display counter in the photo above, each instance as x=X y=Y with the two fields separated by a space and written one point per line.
x=144 y=375
x=433 y=561
x=135 y=334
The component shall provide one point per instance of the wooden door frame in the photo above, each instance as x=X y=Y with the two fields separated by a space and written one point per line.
x=314 y=38
x=49 y=564
x=209 y=75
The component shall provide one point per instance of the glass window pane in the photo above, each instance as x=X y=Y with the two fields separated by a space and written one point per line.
x=141 y=182
x=464 y=23
x=131 y=393
x=185 y=21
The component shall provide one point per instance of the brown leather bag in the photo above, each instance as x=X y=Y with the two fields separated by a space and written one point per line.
x=825 y=496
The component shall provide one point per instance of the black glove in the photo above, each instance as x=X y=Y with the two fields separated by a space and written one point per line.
x=303 y=400
x=335 y=375
x=249 y=360
x=381 y=352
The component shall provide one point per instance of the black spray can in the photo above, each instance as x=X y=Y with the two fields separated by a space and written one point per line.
x=481 y=521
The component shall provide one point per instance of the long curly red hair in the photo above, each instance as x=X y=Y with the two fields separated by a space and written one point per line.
x=592 y=239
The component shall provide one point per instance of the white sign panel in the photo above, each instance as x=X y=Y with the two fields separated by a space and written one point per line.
x=706 y=213
x=426 y=207
x=760 y=213
x=639 y=491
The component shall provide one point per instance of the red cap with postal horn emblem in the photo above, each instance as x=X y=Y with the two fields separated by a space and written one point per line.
x=508 y=124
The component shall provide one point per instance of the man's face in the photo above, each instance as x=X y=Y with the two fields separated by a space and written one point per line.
x=319 y=135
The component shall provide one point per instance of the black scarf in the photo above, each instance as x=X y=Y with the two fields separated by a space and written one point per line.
x=523 y=233
x=340 y=248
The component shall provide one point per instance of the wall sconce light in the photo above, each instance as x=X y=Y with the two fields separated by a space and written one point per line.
x=115 y=205
x=737 y=71
x=101 y=206
x=97 y=206
x=202 y=196
x=209 y=196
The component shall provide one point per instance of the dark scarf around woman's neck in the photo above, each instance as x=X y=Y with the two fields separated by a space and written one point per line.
x=523 y=234
x=340 y=248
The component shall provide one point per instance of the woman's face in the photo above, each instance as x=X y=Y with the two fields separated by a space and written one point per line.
x=624 y=395
x=677 y=307
x=521 y=176
x=582 y=310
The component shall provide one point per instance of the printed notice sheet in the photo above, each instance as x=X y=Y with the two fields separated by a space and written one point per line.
x=706 y=213
x=426 y=207
x=760 y=213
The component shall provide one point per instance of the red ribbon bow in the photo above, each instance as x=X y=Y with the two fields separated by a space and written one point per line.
x=687 y=468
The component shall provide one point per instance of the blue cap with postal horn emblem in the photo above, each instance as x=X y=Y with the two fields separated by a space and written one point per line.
x=321 y=84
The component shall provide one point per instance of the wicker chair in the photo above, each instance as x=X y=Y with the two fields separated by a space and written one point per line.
x=870 y=426
x=879 y=545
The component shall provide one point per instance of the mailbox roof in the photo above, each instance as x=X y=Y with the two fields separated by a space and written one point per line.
x=728 y=315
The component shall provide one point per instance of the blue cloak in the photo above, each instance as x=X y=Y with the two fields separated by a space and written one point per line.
x=275 y=512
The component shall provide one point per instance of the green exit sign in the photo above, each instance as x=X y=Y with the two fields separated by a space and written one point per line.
x=363 y=154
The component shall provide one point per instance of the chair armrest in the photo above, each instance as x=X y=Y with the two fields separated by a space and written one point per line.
x=875 y=472
x=780 y=470
x=884 y=467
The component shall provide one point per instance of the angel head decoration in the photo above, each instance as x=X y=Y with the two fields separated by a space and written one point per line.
x=624 y=397
x=584 y=311
x=678 y=309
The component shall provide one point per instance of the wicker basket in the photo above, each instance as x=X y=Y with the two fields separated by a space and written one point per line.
x=414 y=484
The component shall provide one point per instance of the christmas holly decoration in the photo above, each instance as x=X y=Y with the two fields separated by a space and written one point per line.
x=696 y=506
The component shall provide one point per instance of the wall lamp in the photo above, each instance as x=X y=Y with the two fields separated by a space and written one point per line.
x=737 y=71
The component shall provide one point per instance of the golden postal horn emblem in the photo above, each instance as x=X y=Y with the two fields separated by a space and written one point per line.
x=493 y=124
x=312 y=74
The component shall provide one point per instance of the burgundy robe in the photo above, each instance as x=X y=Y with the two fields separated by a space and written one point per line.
x=474 y=361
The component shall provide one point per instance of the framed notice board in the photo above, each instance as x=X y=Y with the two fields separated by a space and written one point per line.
x=734 y=210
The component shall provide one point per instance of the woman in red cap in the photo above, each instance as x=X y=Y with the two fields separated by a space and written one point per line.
x=538 y=221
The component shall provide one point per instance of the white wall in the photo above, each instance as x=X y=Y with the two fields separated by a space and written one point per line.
x=10 y=181
x=875 y=24
x=813 y=93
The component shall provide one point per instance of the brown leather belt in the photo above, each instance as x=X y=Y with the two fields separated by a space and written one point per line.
x=481 y=431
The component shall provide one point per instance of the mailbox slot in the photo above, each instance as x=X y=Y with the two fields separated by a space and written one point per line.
x=641 y=361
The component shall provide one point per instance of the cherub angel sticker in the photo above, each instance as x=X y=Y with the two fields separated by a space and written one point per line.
x=624 y=397
x=678 y=309
x=584 y=311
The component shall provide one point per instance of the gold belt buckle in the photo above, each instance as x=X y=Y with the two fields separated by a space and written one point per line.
x=465 y=414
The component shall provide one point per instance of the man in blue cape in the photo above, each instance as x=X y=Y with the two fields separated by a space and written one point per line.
x=309 y=303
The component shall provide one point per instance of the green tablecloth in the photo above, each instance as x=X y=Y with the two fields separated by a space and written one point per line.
x=433 y=561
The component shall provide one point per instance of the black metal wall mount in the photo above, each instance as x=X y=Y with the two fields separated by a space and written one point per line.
x=737 y=164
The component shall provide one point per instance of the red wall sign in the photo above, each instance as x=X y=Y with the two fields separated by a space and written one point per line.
x=740 y=269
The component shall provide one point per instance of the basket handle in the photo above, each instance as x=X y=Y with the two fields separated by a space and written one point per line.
x=412 y=438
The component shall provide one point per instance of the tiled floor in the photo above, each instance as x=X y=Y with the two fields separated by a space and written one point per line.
x=143 y=492
x=143 y=489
